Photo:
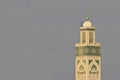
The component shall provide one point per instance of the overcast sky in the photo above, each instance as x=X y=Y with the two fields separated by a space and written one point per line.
x=37 y=37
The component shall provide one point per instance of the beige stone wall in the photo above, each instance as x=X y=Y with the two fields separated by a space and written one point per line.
x=88 y=67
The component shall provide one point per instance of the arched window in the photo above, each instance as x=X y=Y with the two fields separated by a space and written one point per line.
x=90 y=37
x=83 y=37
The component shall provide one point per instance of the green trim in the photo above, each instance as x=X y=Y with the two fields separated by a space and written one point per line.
x=87 y=29
x=93 y=67
x=88 y=50
x=90 y=61
x=81 y=67
x=97 y=61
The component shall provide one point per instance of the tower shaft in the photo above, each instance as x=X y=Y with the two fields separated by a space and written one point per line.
x=88 y=59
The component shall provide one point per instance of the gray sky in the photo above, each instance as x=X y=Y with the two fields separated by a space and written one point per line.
x=37 y=37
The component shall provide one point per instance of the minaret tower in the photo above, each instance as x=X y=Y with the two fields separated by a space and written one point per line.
x=88 y=59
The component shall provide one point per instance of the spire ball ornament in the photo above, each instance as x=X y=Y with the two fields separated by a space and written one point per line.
x=87 y=22
x=87 y=16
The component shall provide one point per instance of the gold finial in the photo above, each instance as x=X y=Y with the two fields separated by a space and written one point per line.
x=87 y=16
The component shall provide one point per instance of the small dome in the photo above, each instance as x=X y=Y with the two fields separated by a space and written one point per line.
x=87 y=24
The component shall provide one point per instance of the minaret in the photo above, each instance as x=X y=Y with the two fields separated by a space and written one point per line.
x=88 y=59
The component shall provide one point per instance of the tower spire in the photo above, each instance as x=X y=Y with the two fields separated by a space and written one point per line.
x=87 y=18
x=87 y=22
